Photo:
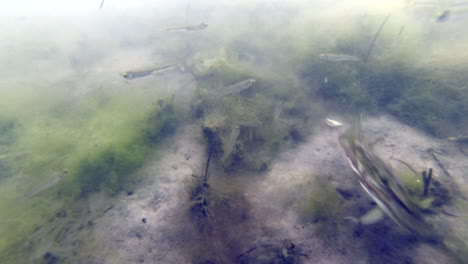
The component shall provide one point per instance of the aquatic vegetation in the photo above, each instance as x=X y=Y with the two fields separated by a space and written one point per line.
x=248 y=109
x=216 y=207
x=321 y=204
x=395 y=80
x=97 y=139
x=426 y=107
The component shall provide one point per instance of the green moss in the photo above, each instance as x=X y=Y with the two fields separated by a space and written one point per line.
x=110 y=168
x=412 y=182
x=322 y=203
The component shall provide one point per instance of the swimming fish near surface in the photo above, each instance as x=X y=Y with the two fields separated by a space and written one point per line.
x=236 y=88
x=338 y=57
x=138 y=74
x=189 y=28
x=56 y=179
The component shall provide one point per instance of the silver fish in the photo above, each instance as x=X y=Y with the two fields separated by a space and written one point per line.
x=459 y=139
x=333 y=123
x=189 y=28
x=338 y=57
x=236 y=88
x=379 y=181
x=56 y=179
x=138 y=74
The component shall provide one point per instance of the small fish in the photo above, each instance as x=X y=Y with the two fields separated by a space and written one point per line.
x=443 y=16
x=56 y=179
x=138 y=74
x=453 y=12
x=189 y=28
x=333 y=123
x=14 y=155
x=338 y=57
x=379 y=181
x=459 y=139
x=236 y=88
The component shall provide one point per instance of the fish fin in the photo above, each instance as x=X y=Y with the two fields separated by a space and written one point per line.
x=372 y=217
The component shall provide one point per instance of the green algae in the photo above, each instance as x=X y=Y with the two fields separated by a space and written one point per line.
x=100 y=138
x=322 y=203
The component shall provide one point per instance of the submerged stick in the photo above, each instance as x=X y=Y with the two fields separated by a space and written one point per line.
x=205 y=173
x=406 y=164
x=439 y=163
x=375 y=38
x=427 y=181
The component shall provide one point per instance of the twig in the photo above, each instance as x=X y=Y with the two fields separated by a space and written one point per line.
x=427 y=181
x=439 y=163
x=407 y=165
x=205 y=173
x=375 y=38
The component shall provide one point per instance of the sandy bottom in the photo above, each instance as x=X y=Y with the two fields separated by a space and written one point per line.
x=260 y=218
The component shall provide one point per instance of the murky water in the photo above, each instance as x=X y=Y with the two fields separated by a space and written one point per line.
x=207 y=131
